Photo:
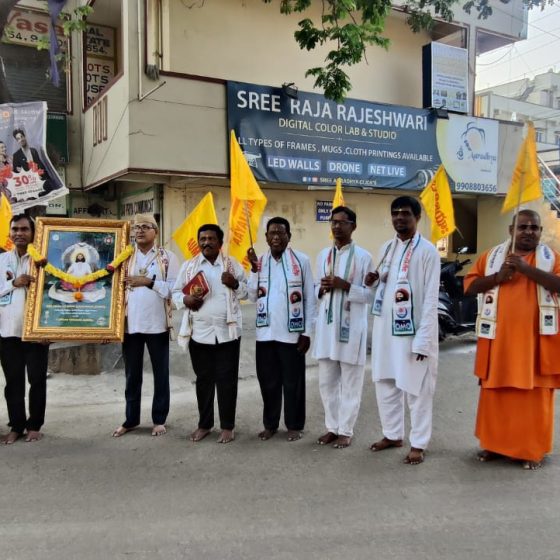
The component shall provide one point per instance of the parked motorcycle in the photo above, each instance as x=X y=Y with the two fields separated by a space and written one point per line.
x=456 y=312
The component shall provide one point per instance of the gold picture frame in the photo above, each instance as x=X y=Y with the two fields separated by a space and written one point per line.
x=54 y=310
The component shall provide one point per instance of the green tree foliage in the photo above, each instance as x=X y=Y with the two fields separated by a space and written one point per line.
x=351 y=25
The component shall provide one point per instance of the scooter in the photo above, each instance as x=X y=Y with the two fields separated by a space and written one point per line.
x=456 y=312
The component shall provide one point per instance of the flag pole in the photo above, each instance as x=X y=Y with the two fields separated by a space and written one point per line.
x=247 y=217
x=516 y=217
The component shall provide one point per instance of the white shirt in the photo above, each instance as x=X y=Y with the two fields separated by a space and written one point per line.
x=146 y=306
x=277 y=329
x=11 y=313
x=327 y=335
x=209 y=323
x=394 y=357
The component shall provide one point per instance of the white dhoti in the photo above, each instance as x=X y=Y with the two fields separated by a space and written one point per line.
x=391 y=406
x=340 y=385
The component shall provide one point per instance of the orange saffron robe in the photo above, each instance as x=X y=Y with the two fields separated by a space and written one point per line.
x=518 y=372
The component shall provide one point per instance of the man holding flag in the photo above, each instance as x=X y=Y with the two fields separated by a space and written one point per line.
x=341 y=327
x=281 y=284
x=405 y=331
x=517 y=358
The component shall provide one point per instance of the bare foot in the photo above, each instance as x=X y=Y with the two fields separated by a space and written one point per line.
x=385 y=443
x=327 y=438
x=12 y=437
x=199 y=434
x=414 y=457
x=484 y=456
x=294 y=435
x=342 y=442
x=33 y=435
x=226 y=436
x=532 y=465
x=121 y=430
x=266 y=434
x=159 y=430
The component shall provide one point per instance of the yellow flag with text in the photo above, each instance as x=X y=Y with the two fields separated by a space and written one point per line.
x=5 y=218
x=247 y=205
x=526 y=180
x=338 y=199
x=186 y=235
x=437 y=201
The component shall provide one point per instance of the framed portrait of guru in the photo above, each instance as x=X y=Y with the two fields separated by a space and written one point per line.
x=79 y=290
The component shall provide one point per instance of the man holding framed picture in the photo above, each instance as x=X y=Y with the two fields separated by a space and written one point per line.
x=151 y=274
x=17 y=356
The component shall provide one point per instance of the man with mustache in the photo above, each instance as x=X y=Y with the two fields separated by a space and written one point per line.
x=211 y=327
x=17 y=356
x=281 y=284
x=404 y=346
x=517 y=358
x=151 y=272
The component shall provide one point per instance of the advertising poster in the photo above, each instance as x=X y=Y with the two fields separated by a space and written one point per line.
x=449 y=77
x=468 y=147
x=312 y=141
x=27 y=176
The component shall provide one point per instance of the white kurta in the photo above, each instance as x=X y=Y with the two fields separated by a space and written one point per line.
x=327 y=335
x=394 y=357
x=12 y=299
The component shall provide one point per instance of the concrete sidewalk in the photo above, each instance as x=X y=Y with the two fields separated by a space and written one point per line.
x=81 y=494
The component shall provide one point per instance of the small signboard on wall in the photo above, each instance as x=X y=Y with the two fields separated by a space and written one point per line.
x=445 y=77
x=101 y=64
x=323 y=210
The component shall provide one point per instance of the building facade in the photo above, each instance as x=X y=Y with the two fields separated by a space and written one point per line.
x=147 y=111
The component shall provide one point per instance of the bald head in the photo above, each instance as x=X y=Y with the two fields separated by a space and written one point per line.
x=530 y=214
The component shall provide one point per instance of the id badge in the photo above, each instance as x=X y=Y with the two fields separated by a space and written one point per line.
x=6 y=299
x=485 y=328
x=403 y=324
x=548 y=320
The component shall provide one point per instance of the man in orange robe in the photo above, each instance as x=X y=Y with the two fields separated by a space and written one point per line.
x=518 y=352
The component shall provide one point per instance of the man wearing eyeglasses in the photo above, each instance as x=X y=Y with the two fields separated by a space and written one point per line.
x=517 y=359
x=151 y=274
x=341 y=328
x=281 y=284
x=404 y=347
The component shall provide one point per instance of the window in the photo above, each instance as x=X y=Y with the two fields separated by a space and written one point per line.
x=557 y=137
x=540 y=134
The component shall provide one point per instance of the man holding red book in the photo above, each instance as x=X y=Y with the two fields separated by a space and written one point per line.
x=209 y=288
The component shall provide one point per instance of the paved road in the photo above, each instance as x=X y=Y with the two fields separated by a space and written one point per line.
x=79 y=494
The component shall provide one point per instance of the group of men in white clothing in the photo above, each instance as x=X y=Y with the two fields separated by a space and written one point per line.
x=400 y=292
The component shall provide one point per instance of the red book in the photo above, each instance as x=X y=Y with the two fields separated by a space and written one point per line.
x=198 y=286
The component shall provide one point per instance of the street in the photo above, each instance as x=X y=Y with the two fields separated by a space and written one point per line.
x=79 y=493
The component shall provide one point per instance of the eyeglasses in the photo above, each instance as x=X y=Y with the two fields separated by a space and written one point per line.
x=335 y=223
x=530 y=227
x=143 y=227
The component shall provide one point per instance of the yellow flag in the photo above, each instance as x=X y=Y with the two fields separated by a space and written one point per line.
x=526 y=180
x=338 y=199
x=436 y=198
x=247 y=205
x=186 y=234
x=5 y=218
